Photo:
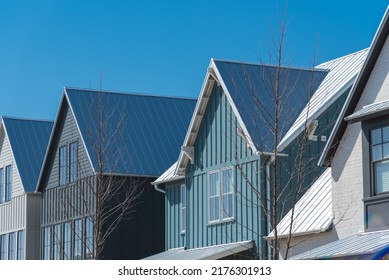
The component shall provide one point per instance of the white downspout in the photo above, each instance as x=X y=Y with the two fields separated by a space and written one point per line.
x=159 y=189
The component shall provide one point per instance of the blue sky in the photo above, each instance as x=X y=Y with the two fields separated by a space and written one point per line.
x=159 y=47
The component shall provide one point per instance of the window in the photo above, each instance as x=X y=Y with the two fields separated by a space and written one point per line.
x=67 y=241
x=57 y=242
x=78 y=240
x=183 y=208
x=221 y=195
x=380 y=159
x=11 y=246
x=72 y=162
x=1 y=186
x=46 y=243
x=88 y=238
x=62 y=165
x=8 y=183
x=20 y=248
x=3 y=247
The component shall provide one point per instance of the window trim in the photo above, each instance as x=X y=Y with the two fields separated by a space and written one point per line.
x=183 y=208
x=8 y=183
x=72 y=144
x=20 y=245
x=11 y=246
x=220 y=195
x=62 y=181
x=3 y=246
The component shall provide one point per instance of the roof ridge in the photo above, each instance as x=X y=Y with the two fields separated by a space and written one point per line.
x=270 y=65
x=128 y=93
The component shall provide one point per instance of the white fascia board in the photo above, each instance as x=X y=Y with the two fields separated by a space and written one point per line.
x=234 y=109
x=79 y=131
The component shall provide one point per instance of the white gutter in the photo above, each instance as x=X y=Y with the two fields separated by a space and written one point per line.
x=157 y=188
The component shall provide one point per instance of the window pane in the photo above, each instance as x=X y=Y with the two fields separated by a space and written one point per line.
x=385 y=134
x=73 y=162
x=376 y=136
x=78 y=236
x=20 y=248
x=183 y=208
x=214 y=205
x=67 y=241
x=11 y=246
x=62 y=165
x=228 y=207
x=385 y=150
x=88 y=238
x=46 y=243
x=1 y=186
x=57 y=242
x=227 y=181
x=214 y=184
x=8 y=183
x=3 y=247
x=382 y=176
x=376 y=152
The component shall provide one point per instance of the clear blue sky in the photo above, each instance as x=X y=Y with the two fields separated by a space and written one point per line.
x=159 y=47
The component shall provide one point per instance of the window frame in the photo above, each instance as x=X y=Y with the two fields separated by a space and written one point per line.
x=20 y=245
x=62 y=164
x=73 y=162
x=183 y=207
x=2 y=189
x=8 y=183
x=11 y=246
x=220 y=195
x=3 y=247
x=46 y=241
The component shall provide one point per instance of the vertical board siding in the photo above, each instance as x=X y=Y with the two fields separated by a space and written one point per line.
x=218 y=145
x=174 y=237
x=13 y=214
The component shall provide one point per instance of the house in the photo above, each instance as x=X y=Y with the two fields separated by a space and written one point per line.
x=105 y=149
x=23 y=145
x=357 y=155
x=216 y=190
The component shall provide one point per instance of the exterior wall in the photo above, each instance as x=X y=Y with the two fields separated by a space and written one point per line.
x=32 y=236
x=218 y=146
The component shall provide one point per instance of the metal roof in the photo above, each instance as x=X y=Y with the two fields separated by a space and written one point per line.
x=204 y=253
x=343 y=72
x=168 y=176
x=371 y=244
x=376 y=46
x=142 y=133
x=369 y=111
x=28 y=140
x=312 y=213
x=251 y=87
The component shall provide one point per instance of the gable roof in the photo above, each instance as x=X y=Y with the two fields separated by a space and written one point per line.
x=28 y=141
x=357 y=90
x=140 y=133
x=249 y=90
x=343 y=72
x=313 y=211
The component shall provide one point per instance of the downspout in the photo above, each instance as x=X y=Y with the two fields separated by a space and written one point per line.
x=157 y=188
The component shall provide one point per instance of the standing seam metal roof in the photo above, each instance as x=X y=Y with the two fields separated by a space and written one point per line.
x=142 y=132
x=28 y=140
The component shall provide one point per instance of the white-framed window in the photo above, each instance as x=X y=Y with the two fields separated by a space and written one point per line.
x=220 y=195
x=62 y=165
x=57 y=239
x=379 y=155
x=183 y=208
x=46 y=243
x=67 y=241
x=89 y=238
x=78 y=240
x=8 y=183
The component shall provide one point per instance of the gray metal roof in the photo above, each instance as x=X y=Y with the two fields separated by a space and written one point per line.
x=168 y=176
x=369 y=111
x=251 y=87
x=142 y=132
x=204 y=253
x=28 y=140
x=376 y=46
x=373 y=244
x=312 y=213
x=343 y=72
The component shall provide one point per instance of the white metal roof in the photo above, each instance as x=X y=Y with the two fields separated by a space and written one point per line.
x=343 y=72
x=204 y=253
x=312 y=213
x=373 y=244
x=168 y=176
x=369 y=111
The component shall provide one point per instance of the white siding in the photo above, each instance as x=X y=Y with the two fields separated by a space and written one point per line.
x=13 y=214
x=6 y=158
